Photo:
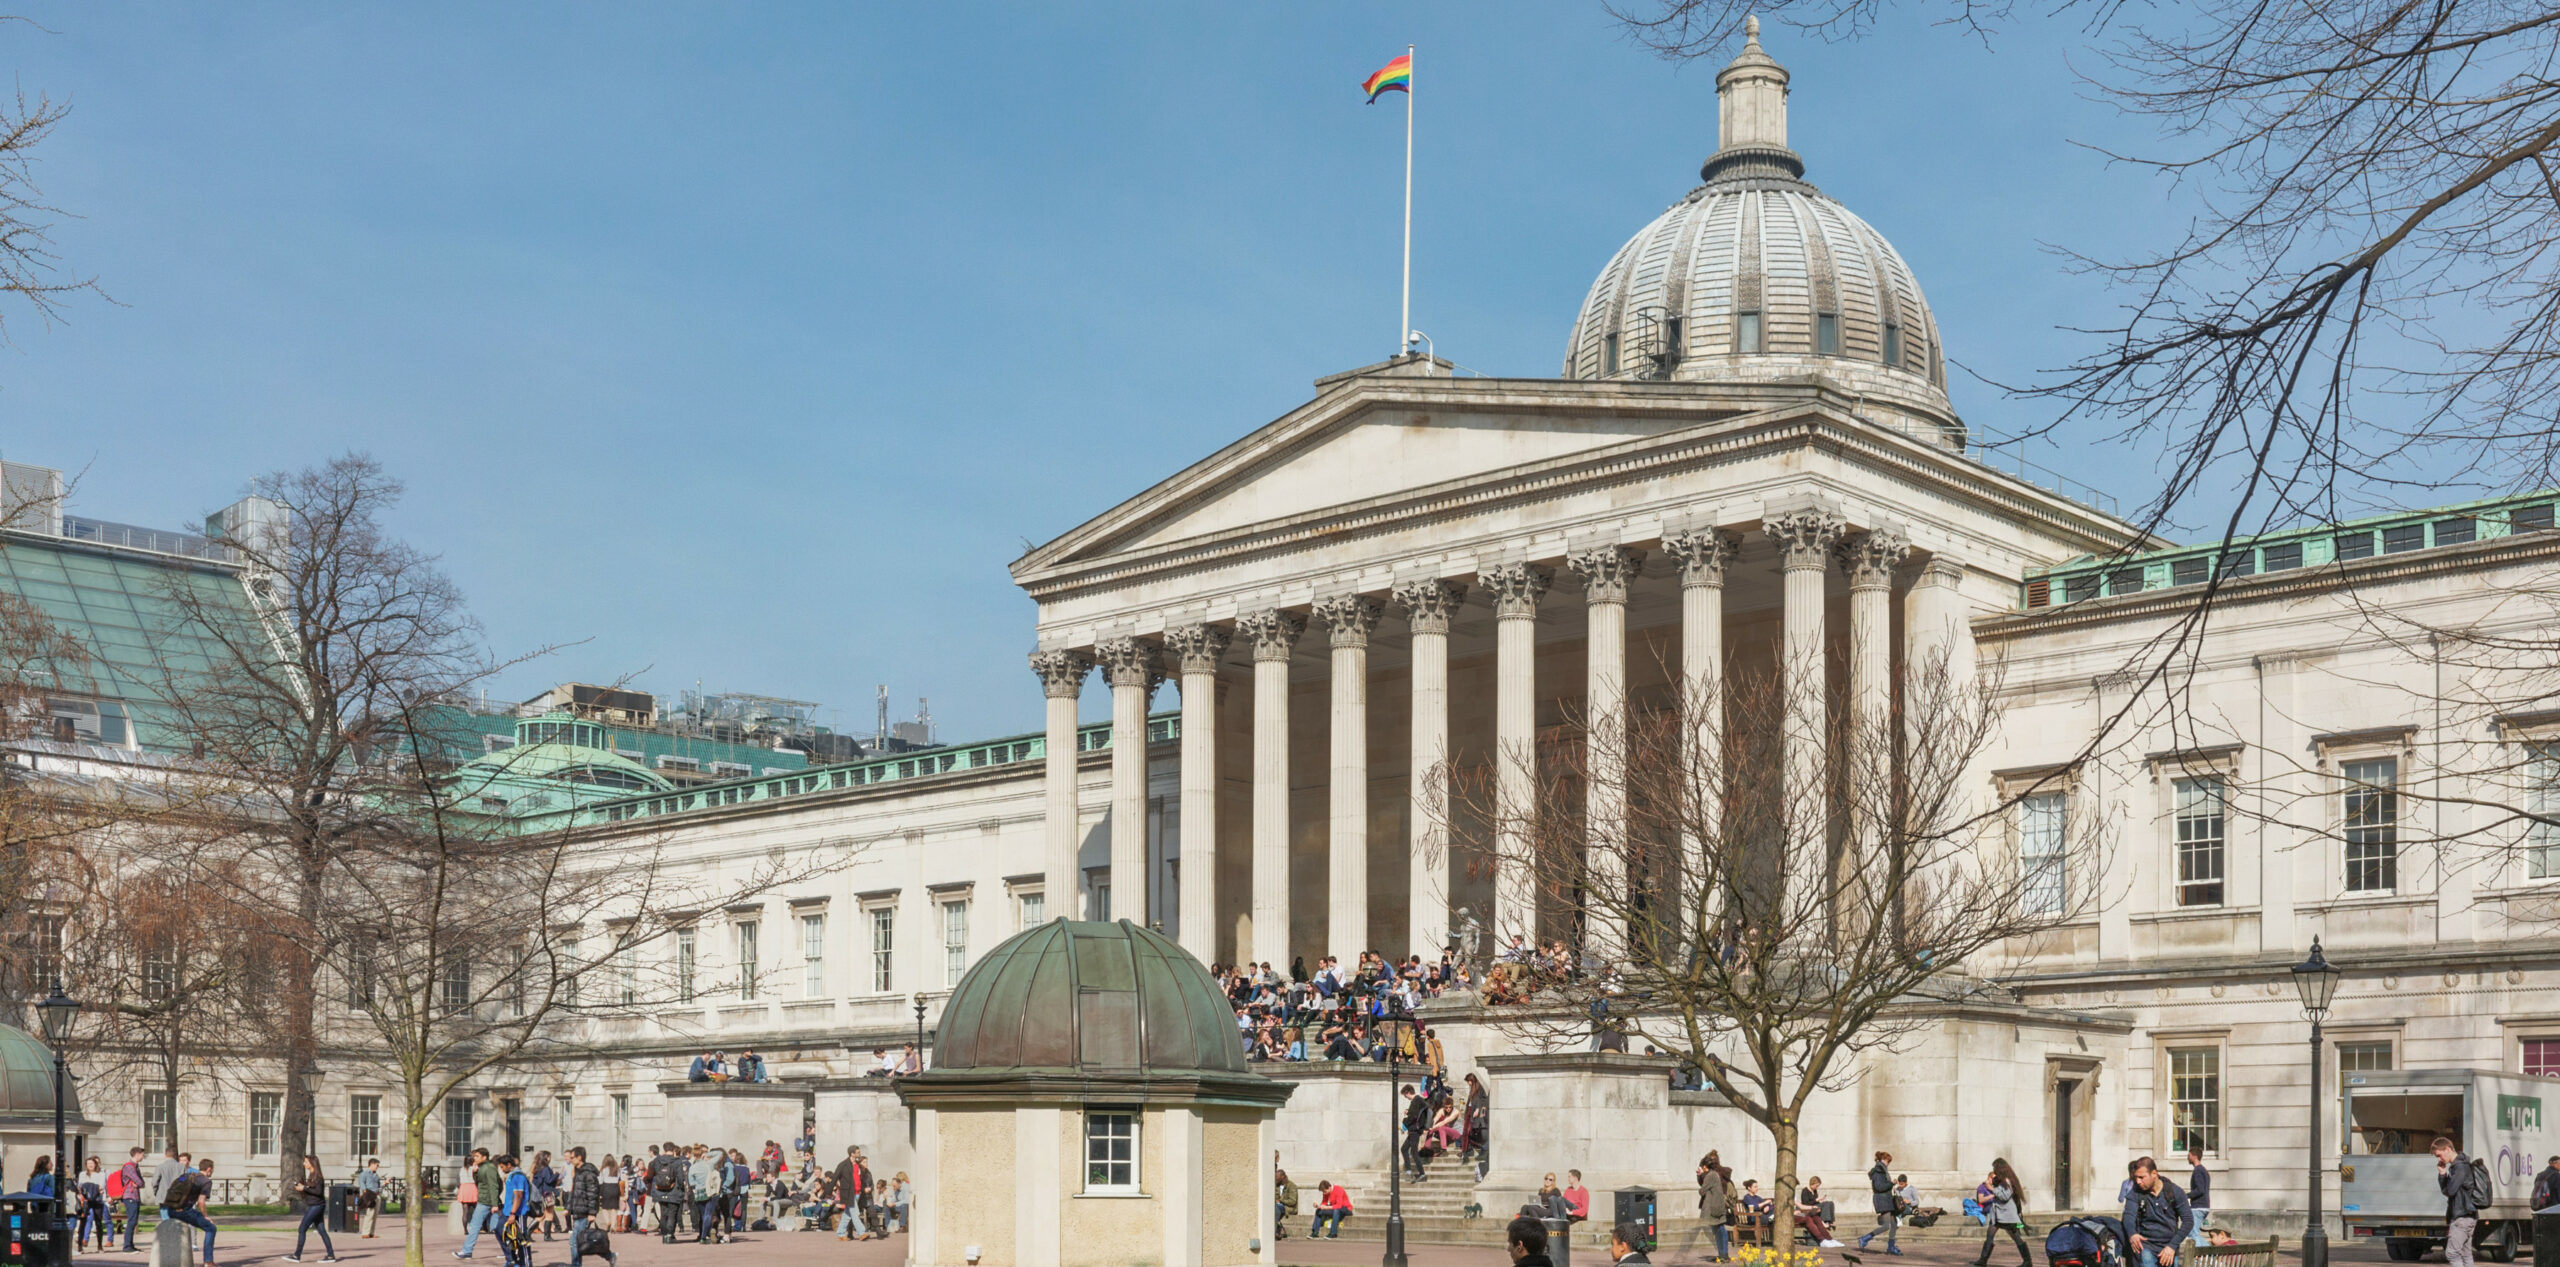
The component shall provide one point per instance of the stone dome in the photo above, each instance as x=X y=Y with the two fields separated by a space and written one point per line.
x=1089 y=998
x=1757 y=276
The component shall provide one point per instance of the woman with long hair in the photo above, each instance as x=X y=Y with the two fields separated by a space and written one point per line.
x=311 y=1187
x=40 y=1181
x=1717 y=1202
x=2007 y=1210
x=91 y=1188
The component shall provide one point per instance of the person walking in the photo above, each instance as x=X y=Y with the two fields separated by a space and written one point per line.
x=2005 y=1211
x=1527 y=1240
x=1417 y=1121
x=2465 y=1185
x=181 y=1199
x=515 y=1213
x=2546 y=1186
x=368 y=1197
x=91 y=1188
x=1888 y=1210
x=666 y=1188
x=581 y=1202
x=311 y=1190
x=1717 y=1202
x=479 y=1197
x=546 y=1191
x=2156 y=1215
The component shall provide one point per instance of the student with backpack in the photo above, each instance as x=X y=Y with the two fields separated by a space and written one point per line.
x=2465 y=1184
x=128 y=1191
x=185 y=1192
x=2155 y=1214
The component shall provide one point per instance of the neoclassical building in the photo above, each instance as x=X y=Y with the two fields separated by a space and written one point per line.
x=1748 y=463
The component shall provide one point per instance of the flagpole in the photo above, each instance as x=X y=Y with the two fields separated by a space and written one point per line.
x=1404 y=319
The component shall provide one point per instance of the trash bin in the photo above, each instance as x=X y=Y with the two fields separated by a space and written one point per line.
x=342 y=1207
x=2546 y=1238
x=1636 y=1205
x=1559 y=1241
x=33 y=1240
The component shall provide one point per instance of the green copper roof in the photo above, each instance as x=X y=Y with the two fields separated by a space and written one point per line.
x=121 y=606
x=1089 y=997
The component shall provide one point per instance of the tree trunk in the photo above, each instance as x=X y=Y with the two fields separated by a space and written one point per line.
x=1782 y=1223
x=301 y=983
x=413 y=1168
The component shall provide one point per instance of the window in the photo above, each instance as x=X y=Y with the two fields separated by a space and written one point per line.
x=684 y=965
x=2354 y=545
x=1609 y=364
x=2455 y=531
x=364 y=1125
x=40 y=949
x=266 y=1115
x=457 y=983
x=2372 y=826
x=2530 y=518
x=2542 y=1057
x=457 y=1126
x=2542 y=800
x=2195 y=1099
x=1826 y=334
x=1746 y=333
x=360 y=976
x=2187 y=571
x=884 y=938
x=159 y=972
x=955 y=941
x=564 y=1110
x=1673 y=340
x=2040 y=861
x=621 y=1121
x=2356 y=1058
x=626 y=964
x=2200 y=853
x=159 y=1121
x=1892 y=344
x=2402 y=538
x=2283 y=558
x=573 y=961
x=1111 y=1152
x=2125 y=581
x=813 y=956
x=748 y=932
x=1031 y=909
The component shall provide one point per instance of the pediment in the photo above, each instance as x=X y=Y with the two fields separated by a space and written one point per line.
x=1364 y=444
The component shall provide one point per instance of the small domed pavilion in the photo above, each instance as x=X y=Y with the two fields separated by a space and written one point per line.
x=1089 y=1106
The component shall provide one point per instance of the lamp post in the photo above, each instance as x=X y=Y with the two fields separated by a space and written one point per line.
x=56 y=1011
x=310 y=1080
x=2317 y=981
x=919 y=1031
x=1395 y=1257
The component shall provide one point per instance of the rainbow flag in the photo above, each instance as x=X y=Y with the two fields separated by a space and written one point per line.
x=1395 y=76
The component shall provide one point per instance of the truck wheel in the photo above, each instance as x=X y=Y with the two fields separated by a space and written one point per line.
x=2404 y=1249
x=2500 y=1246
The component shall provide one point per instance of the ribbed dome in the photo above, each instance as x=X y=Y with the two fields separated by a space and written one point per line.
x=1757 y=276
x=1089 y=997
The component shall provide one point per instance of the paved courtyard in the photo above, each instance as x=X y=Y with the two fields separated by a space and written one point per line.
x=242 y=1243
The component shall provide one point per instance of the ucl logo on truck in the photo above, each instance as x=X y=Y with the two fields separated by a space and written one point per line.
x=2519 y=1113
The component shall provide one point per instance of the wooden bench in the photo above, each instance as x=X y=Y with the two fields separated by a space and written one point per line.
x=2241 y=1254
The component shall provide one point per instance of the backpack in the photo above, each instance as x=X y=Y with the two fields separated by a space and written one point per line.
x=182 y=1192
x=115 y=1185
x=2475 y=1183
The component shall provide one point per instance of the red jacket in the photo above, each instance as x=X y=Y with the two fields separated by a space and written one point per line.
x=1336 y=1197
x=1579 y=1199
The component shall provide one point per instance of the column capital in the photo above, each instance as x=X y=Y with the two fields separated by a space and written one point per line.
x=1349 y=617
x=1804 y=537
x=1274 y=634
x=1870 y=557
x=1939 y=571
x=1428 y=605
x=1703 y=554
x=1516 y=589
x=1606 y=572
x=1130 y=662
x=1197 y=647
x=1061 y=672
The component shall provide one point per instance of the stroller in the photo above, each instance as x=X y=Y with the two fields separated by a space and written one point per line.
x=2093 y=1241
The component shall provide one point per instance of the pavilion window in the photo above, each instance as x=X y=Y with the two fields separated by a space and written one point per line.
x=2281 y=558
x=2529 y=518
x=2455 y=531
x=2355 y=545
x=1111 y=1153
x=2402 y=538
x=1746 y=333
x=1826 y=334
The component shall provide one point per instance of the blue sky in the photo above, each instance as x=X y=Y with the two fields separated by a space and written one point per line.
x=748 y=344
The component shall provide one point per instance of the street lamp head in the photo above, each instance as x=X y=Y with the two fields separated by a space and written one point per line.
x=2316 y=979
x=56 y=1011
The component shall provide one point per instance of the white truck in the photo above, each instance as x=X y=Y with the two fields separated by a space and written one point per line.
x=2387 y=1172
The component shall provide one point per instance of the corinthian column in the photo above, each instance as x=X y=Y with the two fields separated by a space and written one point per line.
x=1804 y=538
x=1869 y=559
x=1427 y=607
x=1134 y=668
x=1606 y=575
x=1516 y=589
x=1348 y=619
x=1703 y=556
x=1273 y=635
x=1062 y=676
x=1198 y=648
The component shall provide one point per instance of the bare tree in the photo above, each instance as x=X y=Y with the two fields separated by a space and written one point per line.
x=171 y=971
x=1717 y=918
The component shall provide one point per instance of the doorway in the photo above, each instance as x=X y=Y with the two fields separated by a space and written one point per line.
x=514 y=1107
x=2066 y=1095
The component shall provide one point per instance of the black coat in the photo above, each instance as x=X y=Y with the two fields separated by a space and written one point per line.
x=1881 y=1180
x=582 y=1192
